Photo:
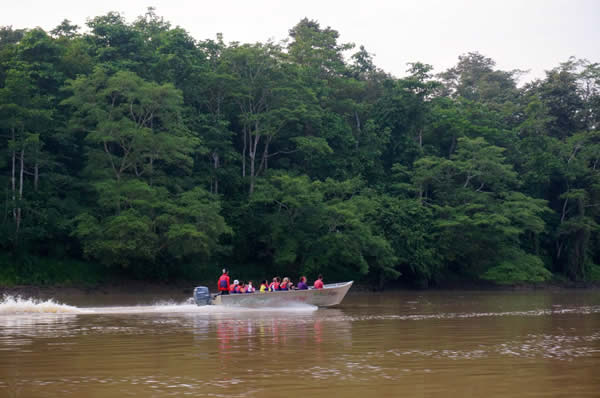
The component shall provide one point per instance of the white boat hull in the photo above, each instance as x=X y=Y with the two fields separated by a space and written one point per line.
x=331 y=294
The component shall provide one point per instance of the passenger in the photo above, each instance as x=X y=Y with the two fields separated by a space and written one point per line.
x=235 y=288
x=264 y=286
x=223 y=283
x=319 y=282
x=302 y=284
x=243 y=288
x=274 y=286
x=285 y=285
x=250 y=288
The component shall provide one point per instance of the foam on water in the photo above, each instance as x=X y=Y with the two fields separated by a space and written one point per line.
x=187 y=308
x=583 y=310
x=19 y=305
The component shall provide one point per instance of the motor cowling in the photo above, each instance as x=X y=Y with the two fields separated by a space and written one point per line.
x=202 y=295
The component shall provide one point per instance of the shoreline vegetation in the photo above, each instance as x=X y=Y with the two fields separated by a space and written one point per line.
x=81 y=278
x=133 y=151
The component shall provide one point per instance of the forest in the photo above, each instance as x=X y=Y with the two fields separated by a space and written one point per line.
x=133 y=150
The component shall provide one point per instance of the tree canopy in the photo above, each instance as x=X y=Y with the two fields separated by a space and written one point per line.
x=136 y=146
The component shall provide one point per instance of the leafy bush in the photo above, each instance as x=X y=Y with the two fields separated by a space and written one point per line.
x=520 y=267
x=30 y=270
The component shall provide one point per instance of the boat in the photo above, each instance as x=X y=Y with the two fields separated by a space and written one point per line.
x=331 y=294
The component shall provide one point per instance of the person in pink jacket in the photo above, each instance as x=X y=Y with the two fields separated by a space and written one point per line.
x=319 y=282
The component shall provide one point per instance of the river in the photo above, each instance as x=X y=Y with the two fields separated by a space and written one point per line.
x=395 y=344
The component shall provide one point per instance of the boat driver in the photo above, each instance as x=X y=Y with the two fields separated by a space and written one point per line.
x=224 y=282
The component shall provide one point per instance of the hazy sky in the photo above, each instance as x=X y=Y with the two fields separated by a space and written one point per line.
x=525 y=34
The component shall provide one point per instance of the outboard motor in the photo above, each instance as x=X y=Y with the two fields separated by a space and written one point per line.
x=202 y=295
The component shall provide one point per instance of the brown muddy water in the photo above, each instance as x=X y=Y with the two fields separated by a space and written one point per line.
x=415 y=344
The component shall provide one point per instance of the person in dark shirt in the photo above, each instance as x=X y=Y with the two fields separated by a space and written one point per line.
x=302 y=284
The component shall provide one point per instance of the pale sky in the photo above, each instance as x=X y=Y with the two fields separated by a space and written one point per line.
x=526 y=34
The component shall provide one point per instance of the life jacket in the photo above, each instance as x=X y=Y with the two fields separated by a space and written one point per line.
x=318 y=284
x=223 y=283
x=263 y=288
x=283 y=286
x=232 y=288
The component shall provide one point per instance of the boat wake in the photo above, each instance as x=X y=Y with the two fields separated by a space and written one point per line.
x=19 y=305
x=11 y=305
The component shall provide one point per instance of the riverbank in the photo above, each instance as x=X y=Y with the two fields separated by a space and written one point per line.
x=42 y=277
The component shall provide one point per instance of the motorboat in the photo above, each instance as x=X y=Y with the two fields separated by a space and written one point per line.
x=331 y=294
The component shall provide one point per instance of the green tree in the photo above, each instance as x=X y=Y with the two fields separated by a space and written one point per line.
x=480 y=217
x=322 y=226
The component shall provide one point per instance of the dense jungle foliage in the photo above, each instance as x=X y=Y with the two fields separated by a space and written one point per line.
x=153 y=155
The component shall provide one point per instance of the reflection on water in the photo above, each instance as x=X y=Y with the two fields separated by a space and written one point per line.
x=411 y=344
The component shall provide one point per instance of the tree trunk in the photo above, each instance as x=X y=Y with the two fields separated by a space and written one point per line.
x=36 y=175
x=358 y=129
x=215 y=157
x=452 y=146
x=264 y=162
x=112 y=163
x=18 y=220
x=266 y=153
x=254 y=140
x=151 y=170
x=252 y=154
x=13 y=179
x=244 y=153
x=564 y=210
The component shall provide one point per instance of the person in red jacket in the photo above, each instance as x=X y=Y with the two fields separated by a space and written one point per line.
x=223 y=283
x=274 y=286
x=319 y=282
x=285 y=285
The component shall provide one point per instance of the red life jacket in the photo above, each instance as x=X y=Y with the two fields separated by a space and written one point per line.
x=232 y=288
x=283 y=286
x=223 y=283
x=237 y=289
x=274 y=286
x=318 y=284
